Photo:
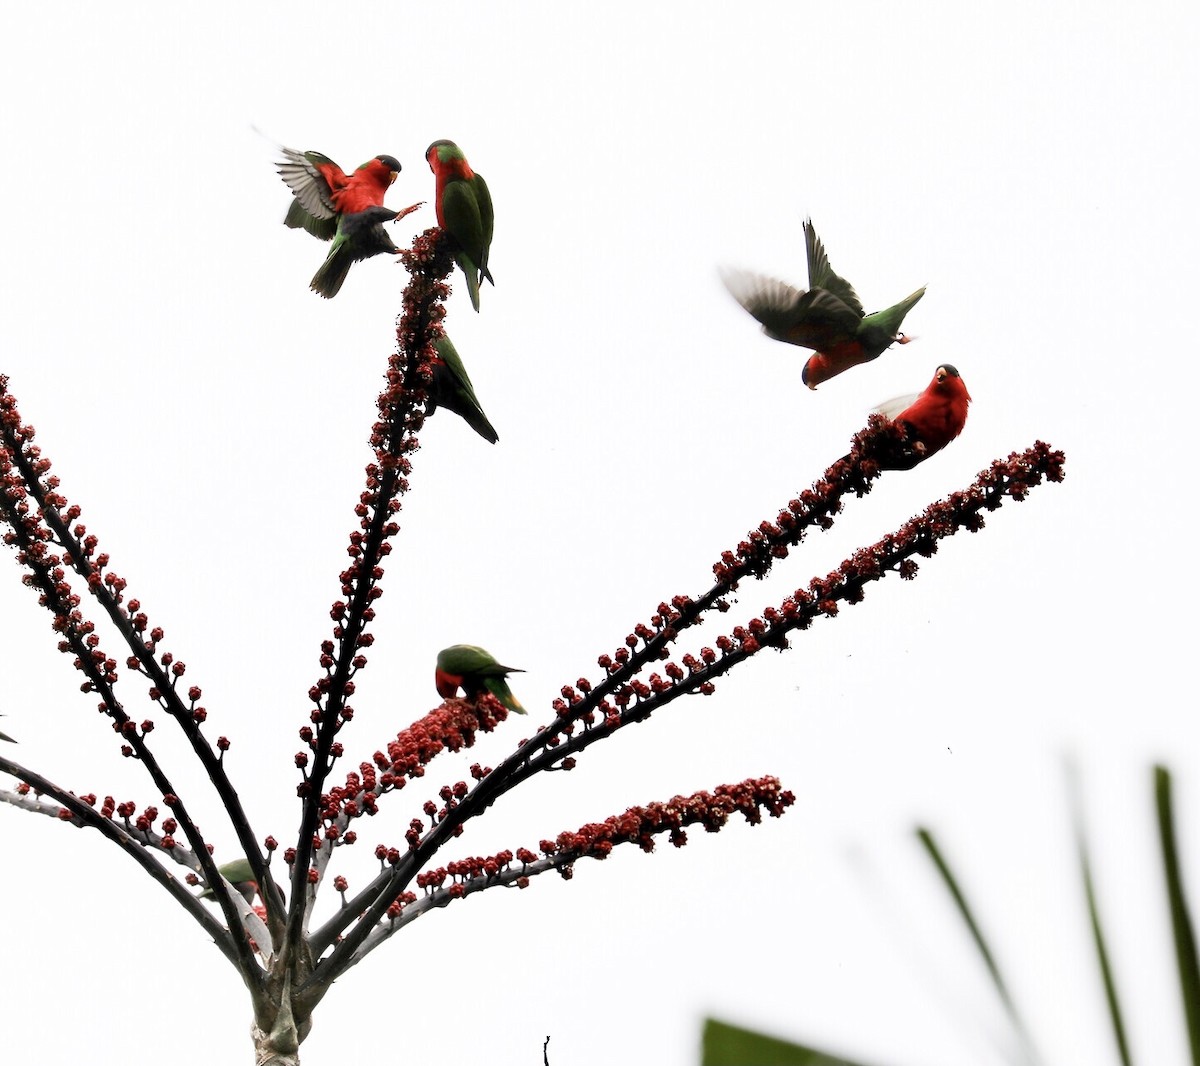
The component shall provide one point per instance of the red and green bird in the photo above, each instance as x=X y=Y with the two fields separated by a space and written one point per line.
x=475 y=671
x=932 y=420
x=451 y=388
x=239 y=874
x=827 y=317
x=344 y=208
x=464 y=210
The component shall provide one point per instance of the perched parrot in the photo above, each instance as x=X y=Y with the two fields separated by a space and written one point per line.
x=475 y=671
x=5 y=736
x=238 y=873
x=464 y=210
x=933 y=419
x=344 y=208
x=451 y=388
x=828 y=318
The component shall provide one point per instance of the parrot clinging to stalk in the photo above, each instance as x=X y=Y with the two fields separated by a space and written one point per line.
x=239 y=874
x=827 y=318
x=464 y=210
x=932 y=420
x=451 y=389
x=5 y=736
x=475 y=671
x=344 y=208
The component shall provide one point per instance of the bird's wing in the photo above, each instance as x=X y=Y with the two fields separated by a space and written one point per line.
x=815 y=318
x=896 y=406
x=484 y=199
x=298 y=218
x=460 y=208
x=821 y=274
x=313 y=178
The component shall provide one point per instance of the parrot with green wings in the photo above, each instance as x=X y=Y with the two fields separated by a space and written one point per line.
x=475 y=671
x=464 y=211
x=451 y=388
x=346 y=209
x=827 y=317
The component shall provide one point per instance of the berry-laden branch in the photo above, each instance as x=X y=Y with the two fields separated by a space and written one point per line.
x=21 y=469
x=393 y=438
x=853 y=473
x=53 y=523
x=633 y=700
x=596 y=840
x=135 y=838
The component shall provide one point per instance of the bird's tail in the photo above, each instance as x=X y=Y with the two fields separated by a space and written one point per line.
x=498 y=687
x=328 y=280
x=478 y=421
x=471 y=273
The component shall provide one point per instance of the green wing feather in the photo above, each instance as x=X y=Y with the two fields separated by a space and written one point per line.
x=815 y=318
x=452 y=389
x=486 y=221
x=298 y=218
x=463 y=659
x=498 y=687
x=821 y=274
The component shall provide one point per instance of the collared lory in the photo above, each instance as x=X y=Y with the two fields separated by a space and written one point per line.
x=932 y=419
x=464 y=210
x=344 y=208
x=451 y=389
x=827 y=318
x=239 y=874
x=475 y=671
x=5 y=736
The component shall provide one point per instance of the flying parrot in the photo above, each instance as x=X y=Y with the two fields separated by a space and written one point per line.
x=828 y=318
x=451 y=388
x=5 y=736
x=932 y=420
x=239 y=874
x=464 y=210
x=344 y=208
x=475 y=671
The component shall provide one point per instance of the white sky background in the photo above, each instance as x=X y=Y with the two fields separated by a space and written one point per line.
x=1034 y=164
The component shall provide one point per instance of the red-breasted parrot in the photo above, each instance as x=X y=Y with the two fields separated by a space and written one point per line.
x=827 y=318
x=344 y=208
x=475 y=671
x=464 y=210
x=451 y=389
x=5 y=736
x=239 y=874
x=933 y=419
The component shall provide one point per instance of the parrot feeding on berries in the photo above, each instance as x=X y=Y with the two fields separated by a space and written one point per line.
x=932 y=420
x=464 y=210
x=344 y=208
x=239 y=874
x=451 y=389
x=475 y=671
x=827 y=318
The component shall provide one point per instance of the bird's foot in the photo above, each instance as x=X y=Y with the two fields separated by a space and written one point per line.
x=407 y=211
